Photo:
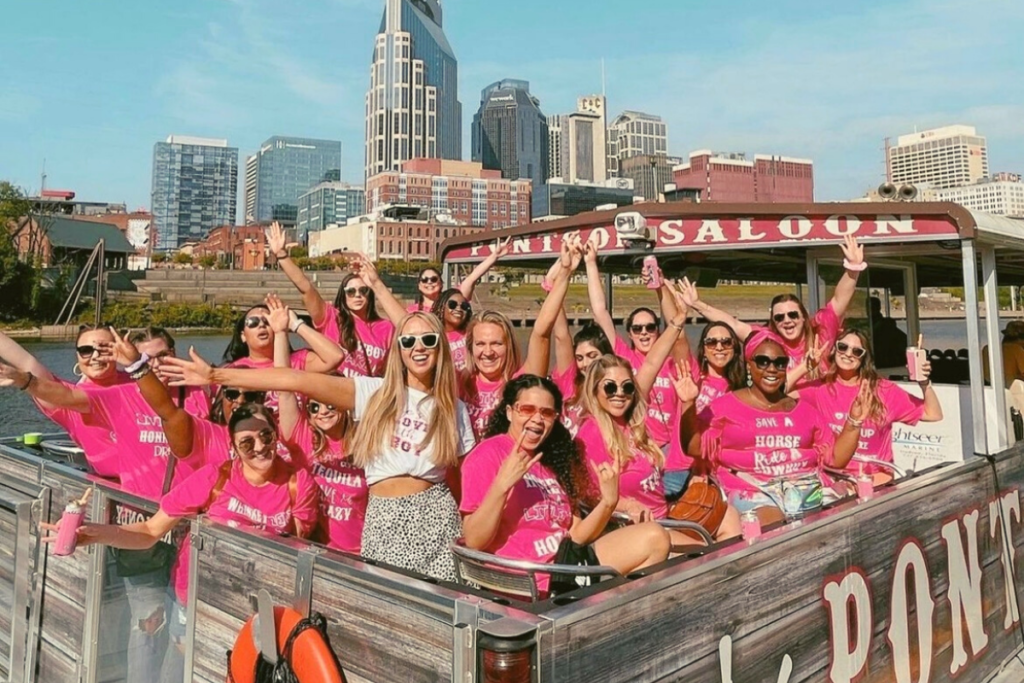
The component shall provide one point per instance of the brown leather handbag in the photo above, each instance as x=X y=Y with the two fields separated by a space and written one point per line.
x=703 y=502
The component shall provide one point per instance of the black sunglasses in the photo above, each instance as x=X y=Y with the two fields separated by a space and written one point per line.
x=315 y=408
x=792 y=315
x=429 y=340
x=855 y=351
x=254 y=321
x=611 y=388
x=452 y=304
x=361 y=291
x=87 y=351
x=648 y=327
x=247 y=396
x=779 y=362
x=430 y=279
x=724 y=342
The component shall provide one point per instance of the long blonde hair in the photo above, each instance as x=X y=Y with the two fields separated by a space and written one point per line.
x=387 y=404
x=636 y=415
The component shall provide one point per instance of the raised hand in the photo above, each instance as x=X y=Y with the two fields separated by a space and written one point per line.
x=859 y=409
x=685 y=386
x=590 y=251
x=515 y=466
x=280 y=315
x=12 y=377
x=565 y=258
x=275 y=238
x=576 y=246
x=815 y=354
x=852 y=252
x=502 y=248
x=123 y=351
x=365 y=268
x=688 y=293
x=188 y=373
x=608 y=481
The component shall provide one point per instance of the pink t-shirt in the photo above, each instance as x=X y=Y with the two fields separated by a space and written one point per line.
x=711 y=387
x=826 y=325
x=457 y=344
x=481 y=400
x=662 y=403
x=572 y=415
x=424 y=307
x=374 y=340
x=537 y=513
x=639 y=480
x=343 y=489
x=766 y=445
x=242 y=505
x=143 y=453
x=834 y=400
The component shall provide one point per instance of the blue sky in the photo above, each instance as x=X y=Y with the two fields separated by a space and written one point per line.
x=90 y=86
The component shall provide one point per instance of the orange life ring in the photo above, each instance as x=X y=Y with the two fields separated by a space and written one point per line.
x=311 y=660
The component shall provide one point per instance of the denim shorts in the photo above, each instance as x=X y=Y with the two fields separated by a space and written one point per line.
x=674 y=482
x=744 y=501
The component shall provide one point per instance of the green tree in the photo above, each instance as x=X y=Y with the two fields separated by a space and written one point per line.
x=17 y=278
x=159 y=257
x=183 y=259
x=207 y=261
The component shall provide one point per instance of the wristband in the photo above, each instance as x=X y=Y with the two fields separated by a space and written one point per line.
x=681 y=326
x=298 y=323
x=28 y=382
x=546 y=285
x=281 y=257
x=854 y=422
x=140 y=373
x=855 y=267
x=134 y=367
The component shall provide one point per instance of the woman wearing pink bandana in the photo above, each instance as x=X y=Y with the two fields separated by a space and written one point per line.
x=805 y=338
x=759 y=436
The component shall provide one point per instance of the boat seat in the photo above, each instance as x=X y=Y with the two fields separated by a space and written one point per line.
x=515 y=578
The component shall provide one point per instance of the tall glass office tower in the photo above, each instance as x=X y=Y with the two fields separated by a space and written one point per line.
x=194 y=189
x=282 y=171
x=510 y=133
x=412 y=106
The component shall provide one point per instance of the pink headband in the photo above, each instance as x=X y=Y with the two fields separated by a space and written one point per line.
x=760 y=335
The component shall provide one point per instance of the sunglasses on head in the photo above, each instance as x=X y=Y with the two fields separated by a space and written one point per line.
x=363 y=291
x=650 y=328
x=779 y=362
x=430 y=279
x=239 y=396
x=724 y=342
x=247 y=446
x=86 y=351
x=464 y=305
x=792 y=315
x=315 y=408
x=254 y=321
x=855 y=351
x=528 y=411
x=628 y=388
x=429 y=340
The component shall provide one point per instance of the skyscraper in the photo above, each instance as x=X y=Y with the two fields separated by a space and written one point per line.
x=412 y=106
x=555 y=146
x=330 y=202
x=943 y=157
x=634 y=133
x=281 y=171
x=510 y=134
x=579 y=141
x=194 y=188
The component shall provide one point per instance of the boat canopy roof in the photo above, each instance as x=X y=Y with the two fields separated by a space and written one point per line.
x=765 y=242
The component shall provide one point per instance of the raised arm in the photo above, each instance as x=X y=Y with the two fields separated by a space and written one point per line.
x=598 y=305
x=393 y=308
x=538 y=355
x=853 y=262
x=499 y=250
x=565 y=355
x=338 y=391
x=325 y=355
x=44 y=389
x=311 y=298
x=280 y=319
x=692 y=300
x=12 y=352
x=655 y=360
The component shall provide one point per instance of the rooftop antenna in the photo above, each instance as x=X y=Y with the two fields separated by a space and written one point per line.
x=42 y=181
x=603 y=93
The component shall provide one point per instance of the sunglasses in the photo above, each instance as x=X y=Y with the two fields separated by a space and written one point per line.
x=628 y=388
x=779 y=362
x=855 y=351
x=87 y=351
x=254 y=321
x=429 y=340
x=247 y=446
x=464 y=305
x=528 y=411
x=361 y=291
x=792 y=315
x=234 y=395
x=650 y=328
x=430 y=279
x=724 y=342
x=315 y=408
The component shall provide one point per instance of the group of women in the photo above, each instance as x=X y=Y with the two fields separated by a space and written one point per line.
x=400 y=430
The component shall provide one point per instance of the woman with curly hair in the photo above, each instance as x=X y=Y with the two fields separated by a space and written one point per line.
x=523 y=485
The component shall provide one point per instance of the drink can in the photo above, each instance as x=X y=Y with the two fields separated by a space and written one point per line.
x=750 y=525
x=651 y=266
x=67 y=534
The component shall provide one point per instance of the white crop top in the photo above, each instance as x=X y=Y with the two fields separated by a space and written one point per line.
x=403 y=457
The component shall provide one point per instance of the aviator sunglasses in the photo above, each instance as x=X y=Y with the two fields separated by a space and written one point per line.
x=855 y=351
x=254 y=321
x=363 y=291
x=429 y=340
x=779 y=362
x=610 y=388
x=247 y=446
x=792 y=315
x=464 y=305
x=234 y=395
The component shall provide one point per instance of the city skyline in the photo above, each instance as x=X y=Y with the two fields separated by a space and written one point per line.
x=777 y=79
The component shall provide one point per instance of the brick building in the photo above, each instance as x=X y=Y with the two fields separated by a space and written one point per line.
x=463 y=190
x=734 y=178
x=244 y=246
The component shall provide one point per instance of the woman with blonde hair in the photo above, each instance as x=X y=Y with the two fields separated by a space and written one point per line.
x=418 y=431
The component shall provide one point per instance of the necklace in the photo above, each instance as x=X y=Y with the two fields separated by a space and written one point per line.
x=766 y=404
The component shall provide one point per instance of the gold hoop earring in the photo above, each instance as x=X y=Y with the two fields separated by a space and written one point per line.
x=77 y=370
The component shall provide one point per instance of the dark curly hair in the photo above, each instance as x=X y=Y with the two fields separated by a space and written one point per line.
x=559 y=449
x=442 y=302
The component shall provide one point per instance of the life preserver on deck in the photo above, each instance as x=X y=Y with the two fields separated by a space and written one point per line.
x=302 y=644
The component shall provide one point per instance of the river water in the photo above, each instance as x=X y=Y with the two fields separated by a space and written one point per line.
x=19 y=415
